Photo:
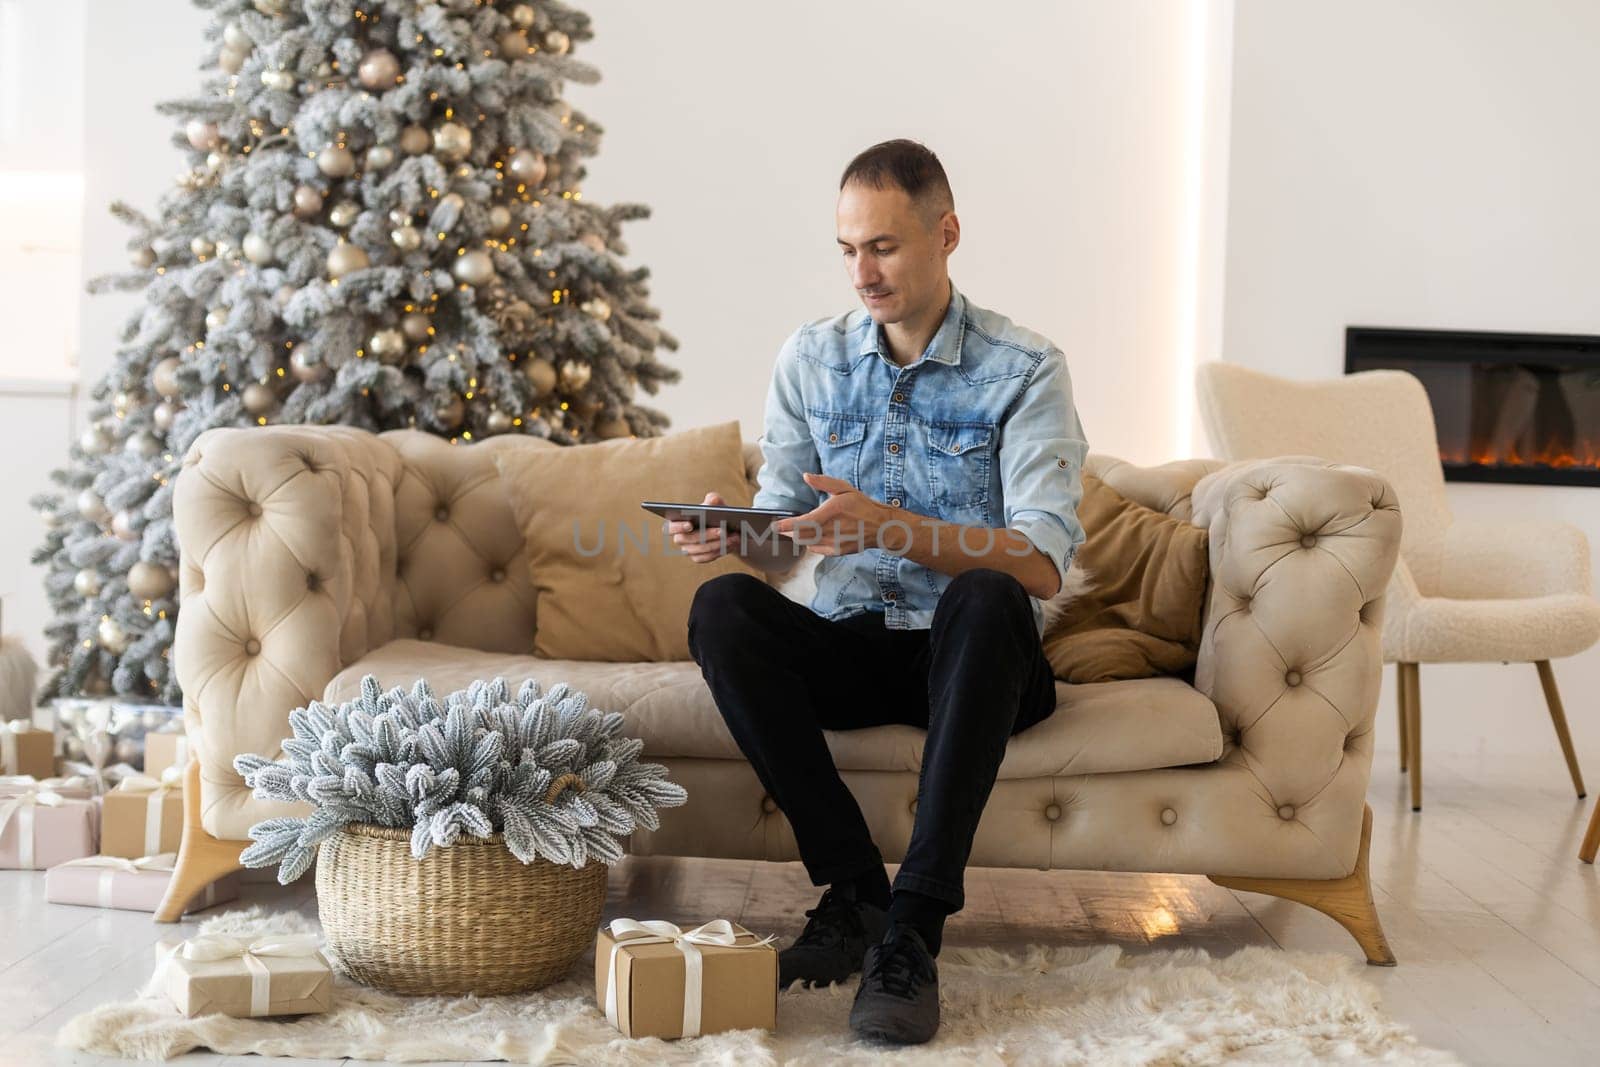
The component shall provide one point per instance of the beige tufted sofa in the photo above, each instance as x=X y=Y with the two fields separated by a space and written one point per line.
x=314 y=555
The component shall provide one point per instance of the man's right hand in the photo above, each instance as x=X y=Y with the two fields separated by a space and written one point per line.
x=704 y=545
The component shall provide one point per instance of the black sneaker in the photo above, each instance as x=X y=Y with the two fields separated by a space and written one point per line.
x=835 y=939
x=898 y=999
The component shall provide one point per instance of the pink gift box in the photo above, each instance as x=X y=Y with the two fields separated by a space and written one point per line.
x=36 y=833
x=75 y=786
x=137 y=885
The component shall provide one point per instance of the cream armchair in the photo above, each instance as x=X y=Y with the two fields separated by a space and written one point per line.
x=1463 y=592
x=311 y=556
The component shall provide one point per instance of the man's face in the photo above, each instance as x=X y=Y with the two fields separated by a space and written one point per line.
x=896 y=264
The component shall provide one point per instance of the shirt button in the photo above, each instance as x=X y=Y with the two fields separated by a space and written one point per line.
x=898 y=397
x=895 y=449
x=833 y=437
x=894 y=502
x=889 y=595
x=1061 y=463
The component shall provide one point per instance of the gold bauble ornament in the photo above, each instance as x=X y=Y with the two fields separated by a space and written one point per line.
x=406 y=238
x=306 y=369
x=231 y=59
x=258 y=399
x=541 y=374
x=233 y=36
x=336 y=161
x=452 y=141
x=87 y=582
x=497 y=422
x=257 y=249
x=149 y=581
x=281 y=80
x=344 y=213
x=217 y=318
x=499 y=219
x=202 y=247
x=514 y=44
x=475 y=267
x=527 y=166
x=451 y=413
x=575 y=375
x=585 y=406
x=557 y=42
x=378 y=69
x=202 y=135
x=415 y=326
x=270 y=7
x=143 y=258
x=614 y=427
x=522 y=16
x=455 y=201
x=162 y=415
x=122 y=526
x=344 y=258
x=307 y=201
x=164 y=376
x=91 y=507
x=379 y=157
x=415 y=140
x=387 y=344
x=112 y=637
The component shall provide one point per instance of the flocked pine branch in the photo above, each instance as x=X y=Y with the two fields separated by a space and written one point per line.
x=543 y=768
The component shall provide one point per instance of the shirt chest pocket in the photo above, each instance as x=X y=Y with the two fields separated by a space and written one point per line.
x=960 y=456
x=839 y=441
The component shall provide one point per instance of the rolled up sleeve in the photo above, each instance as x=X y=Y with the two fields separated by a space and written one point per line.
x=787 y=448
x=1042 y=450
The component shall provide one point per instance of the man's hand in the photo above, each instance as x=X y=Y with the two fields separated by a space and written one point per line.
x=703 y=545
x=848 y=521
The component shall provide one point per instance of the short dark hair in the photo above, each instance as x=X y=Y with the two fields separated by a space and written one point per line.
x=904 y=164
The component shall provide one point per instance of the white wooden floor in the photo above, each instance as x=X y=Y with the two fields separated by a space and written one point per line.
x=1494 y=920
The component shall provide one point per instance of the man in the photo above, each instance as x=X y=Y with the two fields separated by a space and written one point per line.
x=946 y=442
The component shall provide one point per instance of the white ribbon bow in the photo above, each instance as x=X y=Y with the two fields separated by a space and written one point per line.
x=8 y=743
x=158 y=790
x=111 y=865
x=210 y=948
x=22 y=807
x=629 y=932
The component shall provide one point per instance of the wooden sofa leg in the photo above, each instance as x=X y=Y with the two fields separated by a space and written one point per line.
x=1401 y=714
x=202 y=859
x=1347 y=901
x=1552 y=699
x=1591 y=839
x=1411 y=675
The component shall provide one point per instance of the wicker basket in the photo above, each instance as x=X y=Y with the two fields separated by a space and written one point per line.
x=470 y=918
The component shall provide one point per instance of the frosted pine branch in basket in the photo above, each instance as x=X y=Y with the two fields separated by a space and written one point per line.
x=544 y=769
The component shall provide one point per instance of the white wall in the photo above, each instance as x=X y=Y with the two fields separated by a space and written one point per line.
x=1430 y=163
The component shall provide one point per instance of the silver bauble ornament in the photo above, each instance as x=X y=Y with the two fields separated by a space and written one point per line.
x=387 y=344
x=215 y=160
x=257 y=249
x=217 y=318
x=87 y=582
x=91 y=507
x=281 y=80
x=345 y=257
x=142 y=258
x=258 y=399
x=415 y=325
x=574 y=375
x=527 y=166
x=378 y=69
x=164 y=376
x=499 y=219
x=336 y=161
x=522 y=16
x=451 y=413
x=112 y=637
x=144 y=443
x=149 y=581
x=94 y=441
x=415 y=140
x=231 y=59
x=307 y=201
x=541 y=375
x=514 y=44
x=452 y=141
x=406 y=238
x=122 y=526
x=474 y=267
x=497 y=422
x=306 y=369
x=233 y=36
x=379 y=157
x=344 y=213
x=202 y=135
x=557 y=42
x=162 y=415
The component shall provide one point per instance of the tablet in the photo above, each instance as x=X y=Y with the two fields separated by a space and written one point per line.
x=756 y=520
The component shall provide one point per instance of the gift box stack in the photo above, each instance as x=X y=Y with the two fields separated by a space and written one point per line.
x=109 y=737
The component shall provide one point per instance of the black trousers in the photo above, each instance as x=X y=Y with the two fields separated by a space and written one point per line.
x=781 y=674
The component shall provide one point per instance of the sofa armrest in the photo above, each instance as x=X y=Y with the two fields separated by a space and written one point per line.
x=1301 y=553
x=1513 y=558
x=286 y=540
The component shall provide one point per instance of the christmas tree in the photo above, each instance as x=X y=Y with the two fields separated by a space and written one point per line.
x=381 y=226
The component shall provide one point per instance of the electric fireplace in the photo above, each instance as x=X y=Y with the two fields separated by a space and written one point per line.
x=1509 y=407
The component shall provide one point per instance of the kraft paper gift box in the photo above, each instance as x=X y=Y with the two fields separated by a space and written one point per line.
x=24 y=749
x=75 y=786
x=40 y=829
x=163 y=750
x=142 y=816
x=653 y=979
x=247 y=978
x=116 y=882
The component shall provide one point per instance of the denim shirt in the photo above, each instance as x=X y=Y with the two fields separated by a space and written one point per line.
x=980 y=430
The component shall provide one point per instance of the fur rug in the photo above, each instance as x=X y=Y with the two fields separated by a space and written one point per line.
x=1038 y=1005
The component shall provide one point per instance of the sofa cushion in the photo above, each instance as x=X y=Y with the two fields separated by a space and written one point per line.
x=610 y=584
x=1133 y=725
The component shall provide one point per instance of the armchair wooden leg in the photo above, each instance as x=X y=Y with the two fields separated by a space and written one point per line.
x=1411 y=686
x=202 y=859
x=1401 y=715
x=1552 y=697
x=1591 y=840
x=1347 y=901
